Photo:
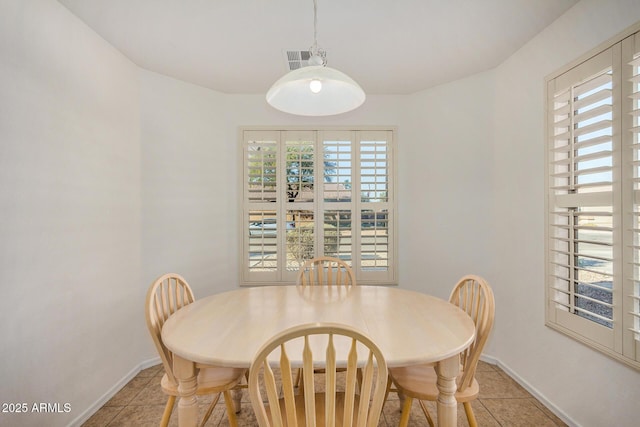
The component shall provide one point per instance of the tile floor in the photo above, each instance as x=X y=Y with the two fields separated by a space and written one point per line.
x=502 y=402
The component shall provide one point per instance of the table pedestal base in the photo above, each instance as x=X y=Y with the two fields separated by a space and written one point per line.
x=186 y=374
x=447 y=370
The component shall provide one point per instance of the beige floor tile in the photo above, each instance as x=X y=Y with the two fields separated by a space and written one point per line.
x=392 y=413
x=103 y=417
x=245 y=417
x=138 y=416
x=151 y=371
x=129 y=391
x=518 y=412
x=550 y=414
x=483 y=416
x=497 y=385
x=484 y=366
x=150 y=395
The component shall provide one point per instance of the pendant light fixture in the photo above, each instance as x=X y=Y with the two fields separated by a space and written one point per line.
x=315 y=90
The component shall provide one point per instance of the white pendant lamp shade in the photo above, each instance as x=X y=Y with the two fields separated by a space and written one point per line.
x=315 y=90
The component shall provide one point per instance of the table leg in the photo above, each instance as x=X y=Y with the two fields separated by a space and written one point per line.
x=186 y=374
x=447 y=371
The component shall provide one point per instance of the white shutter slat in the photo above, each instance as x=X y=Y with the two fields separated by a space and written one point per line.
x=598 y=126
x=592 y=99
x=583 y=144
x=590 y=313
x=583 y=172
x=635 y=62
x=562 y=110
x=592 y=84
x=579 y=187
x=582 y=158
x=590 y=114
x=583 y=199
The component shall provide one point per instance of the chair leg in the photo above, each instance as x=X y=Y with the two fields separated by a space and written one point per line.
x=426 y=413
x=298 y=378
x=470 y=415
x=237 y=399
x=386 y=393
x=231 y=409
x=406 y=411
x=167 y=411
x=237 y=392
x=213 y=404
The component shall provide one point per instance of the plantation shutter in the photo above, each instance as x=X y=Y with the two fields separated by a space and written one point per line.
x=375 y=160
x=593 y=204
x=631 y=124
x=310 y=193
x=582 y=177
x=339 y=196
x=260 y=223
x=301 y=160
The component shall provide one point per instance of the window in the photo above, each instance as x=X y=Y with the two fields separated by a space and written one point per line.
x=593 y=201
x=317 y=192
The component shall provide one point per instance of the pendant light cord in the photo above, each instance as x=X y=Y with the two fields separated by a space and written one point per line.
x=315 y=23
x=318 y=55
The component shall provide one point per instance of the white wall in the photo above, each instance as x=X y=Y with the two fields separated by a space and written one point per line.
x=71 y=322
x=188 y=185
x=590 y=388
x=445 y=169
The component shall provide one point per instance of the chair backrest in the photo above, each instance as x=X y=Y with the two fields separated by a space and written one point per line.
x=165 y=296
x=335 y=345
x=474 y=295
x=325 y=271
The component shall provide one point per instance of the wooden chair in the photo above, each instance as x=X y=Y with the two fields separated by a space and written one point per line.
x=166 y=295
x=325 y=271
x=355 y=406
x=321 y=271
x=473 y=295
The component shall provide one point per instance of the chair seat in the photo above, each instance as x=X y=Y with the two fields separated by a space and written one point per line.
x=320 y=415
x=210 y=380
x=420 y=382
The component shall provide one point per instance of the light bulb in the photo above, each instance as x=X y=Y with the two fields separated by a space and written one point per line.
x=315 y=85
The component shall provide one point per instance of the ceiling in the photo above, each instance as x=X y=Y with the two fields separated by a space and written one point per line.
x=388 y=46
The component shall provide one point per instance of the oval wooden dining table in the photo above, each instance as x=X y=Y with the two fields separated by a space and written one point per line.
x=227 y=329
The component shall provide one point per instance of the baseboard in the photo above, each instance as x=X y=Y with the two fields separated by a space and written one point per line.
x=79 y=420
x=532 y=390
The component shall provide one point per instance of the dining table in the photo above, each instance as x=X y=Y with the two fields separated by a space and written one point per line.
x=228 y=328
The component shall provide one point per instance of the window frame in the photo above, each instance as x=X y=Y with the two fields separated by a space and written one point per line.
x=319 y=206
x=620 y=342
